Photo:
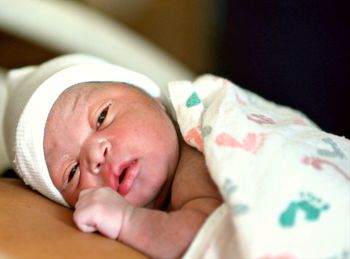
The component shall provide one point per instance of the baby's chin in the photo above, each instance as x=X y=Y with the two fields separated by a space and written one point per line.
x=158 y=201
x=161 y=200
x=142 y=202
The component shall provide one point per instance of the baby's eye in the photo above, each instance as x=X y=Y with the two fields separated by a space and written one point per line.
x=72 y=172
x=102 y=117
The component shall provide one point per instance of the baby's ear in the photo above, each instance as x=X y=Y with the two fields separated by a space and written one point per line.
x=161 y=105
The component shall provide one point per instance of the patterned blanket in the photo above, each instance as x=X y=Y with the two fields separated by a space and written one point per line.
x=285 y=183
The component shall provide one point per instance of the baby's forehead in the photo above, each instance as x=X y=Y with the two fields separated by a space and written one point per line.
x=85 y=89
x=82 y=89
x=72 y=93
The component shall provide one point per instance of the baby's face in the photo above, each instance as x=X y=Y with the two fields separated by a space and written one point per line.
x=110 y=135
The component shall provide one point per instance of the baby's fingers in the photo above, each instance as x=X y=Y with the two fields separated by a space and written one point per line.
x=84 y=221
x=86 y=228
x=88 y=222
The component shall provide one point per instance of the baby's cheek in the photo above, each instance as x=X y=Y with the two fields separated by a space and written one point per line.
x=71 y=199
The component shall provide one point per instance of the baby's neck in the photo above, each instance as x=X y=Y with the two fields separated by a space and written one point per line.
x=163 y=198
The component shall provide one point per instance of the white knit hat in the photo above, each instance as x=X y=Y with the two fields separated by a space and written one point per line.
x=32 y=93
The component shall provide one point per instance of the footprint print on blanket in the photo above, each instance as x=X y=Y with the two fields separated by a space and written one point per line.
x=334 y=152
x=308 y=204
x=260 y=118
x=194 y=137
x=228 y=189
x=193 y=100
x=250 y=143
x=319 y=164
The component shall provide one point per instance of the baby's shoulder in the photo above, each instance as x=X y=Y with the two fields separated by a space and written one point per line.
x=192 y=180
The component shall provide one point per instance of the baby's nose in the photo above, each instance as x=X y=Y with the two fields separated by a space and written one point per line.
x=98 y=153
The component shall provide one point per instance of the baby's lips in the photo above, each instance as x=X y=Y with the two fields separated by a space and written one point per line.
x=132 y=169
x=113 y=175
x=117 y=175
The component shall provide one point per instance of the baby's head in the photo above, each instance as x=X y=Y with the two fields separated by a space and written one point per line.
x=81 y=122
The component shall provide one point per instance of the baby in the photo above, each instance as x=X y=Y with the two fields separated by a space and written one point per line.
x=95 y=137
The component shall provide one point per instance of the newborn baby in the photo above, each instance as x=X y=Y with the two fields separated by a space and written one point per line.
x=115 y=136
x=95 y=137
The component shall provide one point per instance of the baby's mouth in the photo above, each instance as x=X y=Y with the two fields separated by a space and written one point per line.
x=122 y=176
x=129 y=172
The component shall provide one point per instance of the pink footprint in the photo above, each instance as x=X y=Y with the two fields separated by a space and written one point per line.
x=299 y=121
x=251 y=142
x=318 y=163
x=194 y=136
x=239 y=99
x=260 y=119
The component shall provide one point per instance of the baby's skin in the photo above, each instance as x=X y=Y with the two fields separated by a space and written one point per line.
x=115 y=156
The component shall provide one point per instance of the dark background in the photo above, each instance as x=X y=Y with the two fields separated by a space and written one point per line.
x=292 y=52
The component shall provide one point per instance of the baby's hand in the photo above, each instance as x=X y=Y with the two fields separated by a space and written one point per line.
x=102 y=210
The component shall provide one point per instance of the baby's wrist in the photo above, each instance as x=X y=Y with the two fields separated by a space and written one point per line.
x=127 y=215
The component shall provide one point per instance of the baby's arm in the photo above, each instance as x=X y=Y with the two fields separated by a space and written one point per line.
x=160 y=234
x=156 y=233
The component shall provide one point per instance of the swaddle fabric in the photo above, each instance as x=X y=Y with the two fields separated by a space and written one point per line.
x=285 y=183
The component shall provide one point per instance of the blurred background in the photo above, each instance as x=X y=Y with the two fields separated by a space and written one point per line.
x=292 y=52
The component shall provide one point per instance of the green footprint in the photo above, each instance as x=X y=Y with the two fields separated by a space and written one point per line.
x=193 y=100
x=309 y=204
x=229 y=188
